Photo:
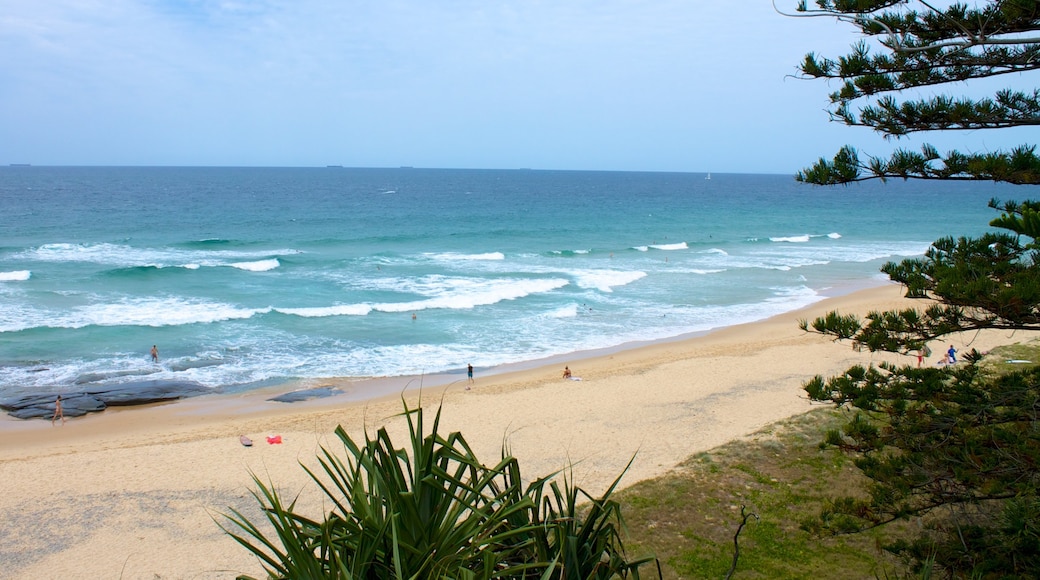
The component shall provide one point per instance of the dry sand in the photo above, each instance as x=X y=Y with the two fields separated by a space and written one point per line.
x=136 y=493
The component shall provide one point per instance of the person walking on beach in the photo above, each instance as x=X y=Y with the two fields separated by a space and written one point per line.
x=155 y=353
x=469 y=373
x=952 y=355
x=58 y=412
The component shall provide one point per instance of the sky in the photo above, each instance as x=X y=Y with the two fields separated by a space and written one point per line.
x=626 y=85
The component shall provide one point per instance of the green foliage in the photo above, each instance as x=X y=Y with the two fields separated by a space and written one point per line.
x=958 y=448
x=688 y=516
x=955 y=443
x=1020 y=166
x=917 y=44
x=435 y=511
x=992 y=281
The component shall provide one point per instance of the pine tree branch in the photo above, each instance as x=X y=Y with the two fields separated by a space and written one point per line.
x=1021 y=166
x=1006 y=109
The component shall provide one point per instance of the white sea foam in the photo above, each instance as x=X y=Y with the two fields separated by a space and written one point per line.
x=14 y=317
x=567 y=311
x=321 y=311
x=153 y=312
x=455 y=256
x=700 y=271
x=258 y=266
x=641 y=248
x=120 y=255
x=442 y=292
x=679 y=246
x=162 y=312
x=15 y=276
x=802 y=238
x=474 y=292
x=606 y=280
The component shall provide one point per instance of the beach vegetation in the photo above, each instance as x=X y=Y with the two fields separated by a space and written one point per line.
x=687 y=517
x=913 y=48
x=433 y=510
x=955 y=449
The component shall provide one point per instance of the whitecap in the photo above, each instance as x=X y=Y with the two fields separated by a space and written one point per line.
x=641 y=248
x=322 y=311
x=568 y=311
x=679 y=246
x=834 y=235
x=15 y=276
x=161 y=312
x=258 y=266
x=473 y=293
x=153 y=312
x=792 y=239
x=606 y=280
x=128 y=256
x=458 y=256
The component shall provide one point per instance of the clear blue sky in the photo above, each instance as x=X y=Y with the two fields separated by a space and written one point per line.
x=579 y=84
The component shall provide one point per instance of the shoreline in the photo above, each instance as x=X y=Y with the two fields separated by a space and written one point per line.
x=135 y=493
x=360 y=390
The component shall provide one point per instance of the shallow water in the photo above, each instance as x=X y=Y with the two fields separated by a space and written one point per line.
x=246 y=277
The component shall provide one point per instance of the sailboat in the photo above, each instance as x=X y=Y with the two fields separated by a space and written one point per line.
x=709 y=175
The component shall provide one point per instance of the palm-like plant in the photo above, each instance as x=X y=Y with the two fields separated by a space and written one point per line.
x=435 y=511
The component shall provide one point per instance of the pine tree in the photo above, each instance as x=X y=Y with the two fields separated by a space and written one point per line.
x=957 y=449
x=926 y=47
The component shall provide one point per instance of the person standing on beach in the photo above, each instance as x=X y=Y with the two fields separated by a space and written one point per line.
x=469 y=373
x=58 y=412
x=952 y=355
x=155 y=353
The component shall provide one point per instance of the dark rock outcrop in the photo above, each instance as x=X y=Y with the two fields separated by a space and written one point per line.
x=306 y=394
x=94 y=399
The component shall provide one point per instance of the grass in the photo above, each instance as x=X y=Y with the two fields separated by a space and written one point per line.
x=688 y=517
x=997 y=359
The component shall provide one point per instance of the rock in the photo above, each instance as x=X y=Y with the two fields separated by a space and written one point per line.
x=145 y=392
x=41 y=406
x=95 y=399
x=306 y=394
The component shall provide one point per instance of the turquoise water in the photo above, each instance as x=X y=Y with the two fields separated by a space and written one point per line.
x=252 y=276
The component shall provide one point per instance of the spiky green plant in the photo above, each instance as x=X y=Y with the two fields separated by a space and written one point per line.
x=435 y=511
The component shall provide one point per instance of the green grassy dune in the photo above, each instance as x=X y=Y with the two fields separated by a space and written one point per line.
x=688 y=517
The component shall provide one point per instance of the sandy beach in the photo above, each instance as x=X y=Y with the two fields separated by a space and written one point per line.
x=137 y=493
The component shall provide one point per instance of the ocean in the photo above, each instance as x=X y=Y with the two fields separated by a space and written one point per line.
x=252 y=277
